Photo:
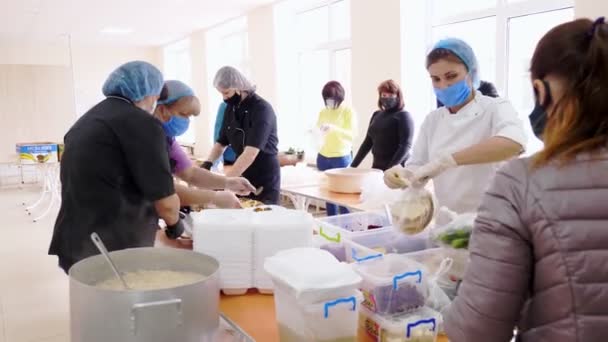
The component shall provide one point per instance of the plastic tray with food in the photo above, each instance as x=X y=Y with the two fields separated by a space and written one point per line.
x=372 y=243
x=393 y=284
x=340 y=227
x=419 y=326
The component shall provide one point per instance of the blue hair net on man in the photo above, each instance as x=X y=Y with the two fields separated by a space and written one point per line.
x=463 y=51
x=174 y=90
x=134 y=81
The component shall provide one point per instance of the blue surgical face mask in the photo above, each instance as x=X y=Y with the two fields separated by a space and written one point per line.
x=454 y=95
x=176 y=126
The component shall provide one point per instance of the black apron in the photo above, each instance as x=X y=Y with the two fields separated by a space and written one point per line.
x=264 y=171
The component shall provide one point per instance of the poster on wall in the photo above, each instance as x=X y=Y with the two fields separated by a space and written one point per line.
x=38 y=152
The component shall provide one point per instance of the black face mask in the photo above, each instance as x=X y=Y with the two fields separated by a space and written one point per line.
x=388 y=103
x=538 y=117
x=234 y=99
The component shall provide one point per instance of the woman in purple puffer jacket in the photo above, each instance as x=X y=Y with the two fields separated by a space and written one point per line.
x=539 y=250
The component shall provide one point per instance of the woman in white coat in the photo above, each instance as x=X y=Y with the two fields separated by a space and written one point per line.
x=460 y=145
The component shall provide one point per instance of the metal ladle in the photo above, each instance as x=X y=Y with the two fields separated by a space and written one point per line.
x=102 y=248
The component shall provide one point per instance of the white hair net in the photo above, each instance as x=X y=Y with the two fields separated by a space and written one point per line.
x=228 y=77
x=464 y=51
x=134 y=81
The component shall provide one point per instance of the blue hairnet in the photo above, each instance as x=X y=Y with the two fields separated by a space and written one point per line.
x=174 y=90
x=464 y=51
x=230 y=78
x=134 y=81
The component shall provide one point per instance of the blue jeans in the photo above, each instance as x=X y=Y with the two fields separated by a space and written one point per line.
x=324 y=163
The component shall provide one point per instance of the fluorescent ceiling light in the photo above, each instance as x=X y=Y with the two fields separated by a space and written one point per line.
x=116 y=30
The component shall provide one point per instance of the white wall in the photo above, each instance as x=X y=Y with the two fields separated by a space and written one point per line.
x=590 y=8
x=262 y=52
x=43 y=95
x=92 y=65
x=203 y=133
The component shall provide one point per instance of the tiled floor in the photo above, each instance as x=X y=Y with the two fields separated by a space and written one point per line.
x=34 y=296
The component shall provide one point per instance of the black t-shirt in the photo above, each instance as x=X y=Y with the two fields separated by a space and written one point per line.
x=254 y=123
x=251 y=123
x=114 y=166
x=389 y=137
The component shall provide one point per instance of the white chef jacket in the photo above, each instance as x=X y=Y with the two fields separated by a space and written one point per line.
x=461 y=188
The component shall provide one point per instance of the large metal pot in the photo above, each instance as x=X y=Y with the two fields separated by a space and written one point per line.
x=187 y=313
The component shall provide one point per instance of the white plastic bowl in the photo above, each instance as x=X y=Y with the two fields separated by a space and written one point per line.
x=349 y=180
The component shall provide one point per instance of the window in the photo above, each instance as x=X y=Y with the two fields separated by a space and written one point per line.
x=480 y=34
x=449 y=8
x=227 y=44
x=503 y=34
x=178 y=66
x=320 y=53
x=524 y=34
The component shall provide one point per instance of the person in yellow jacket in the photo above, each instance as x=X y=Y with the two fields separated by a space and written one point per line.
x=338 y=124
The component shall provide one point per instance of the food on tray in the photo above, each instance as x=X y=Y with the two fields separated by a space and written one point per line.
x=250 y=203
x=261 y=209
x=458 y=238
x=151 y=280
x=387 y=300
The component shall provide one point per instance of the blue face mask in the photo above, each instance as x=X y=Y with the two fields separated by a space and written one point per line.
x=454 y=95
x=176 y=126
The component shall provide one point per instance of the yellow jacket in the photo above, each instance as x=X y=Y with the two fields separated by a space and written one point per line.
x=343 y=125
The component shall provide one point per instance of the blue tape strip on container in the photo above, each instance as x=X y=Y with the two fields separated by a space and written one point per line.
x=410 y=326
x=328 y=305
x=405 y=275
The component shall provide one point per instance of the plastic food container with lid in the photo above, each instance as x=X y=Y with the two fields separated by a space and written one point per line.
x=419 y=326
x=370 y=244
x=327 y=321
x=393 y=284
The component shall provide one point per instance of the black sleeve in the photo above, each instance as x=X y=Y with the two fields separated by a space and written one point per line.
x=263 y=122
x=223 y=138
x=365 y=147
x=405 y=135
x=144 y=145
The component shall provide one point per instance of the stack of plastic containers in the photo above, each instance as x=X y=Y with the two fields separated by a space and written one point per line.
x=273 y=232
x=333 y=231
x=316 y=297
x=395 y=290
x=227 y=236
x=241 y=239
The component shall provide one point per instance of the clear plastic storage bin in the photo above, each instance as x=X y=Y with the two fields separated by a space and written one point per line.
x=370 y=244
x=419 y=326
x=340 y=227
x=393 y=284
x=329 y=321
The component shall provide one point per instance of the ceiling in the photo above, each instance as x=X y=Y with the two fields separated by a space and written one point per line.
x=153 y=22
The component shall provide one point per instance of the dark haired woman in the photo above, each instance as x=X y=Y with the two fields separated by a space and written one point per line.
x=390 y=132
x=337 y=122
x=540 y=243
x=460 y=145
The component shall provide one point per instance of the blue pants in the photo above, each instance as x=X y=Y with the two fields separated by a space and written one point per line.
x=324 y=163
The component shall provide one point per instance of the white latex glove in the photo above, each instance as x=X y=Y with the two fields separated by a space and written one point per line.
x=326 y=128
x=434 y=168
x=398 y=177
x=239 y=185
x=226 y=200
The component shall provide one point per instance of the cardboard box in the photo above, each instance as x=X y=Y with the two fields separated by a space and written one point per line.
x=37 y=152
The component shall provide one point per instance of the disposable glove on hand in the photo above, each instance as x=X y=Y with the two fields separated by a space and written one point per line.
x=239 y=185
x=433 y=169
